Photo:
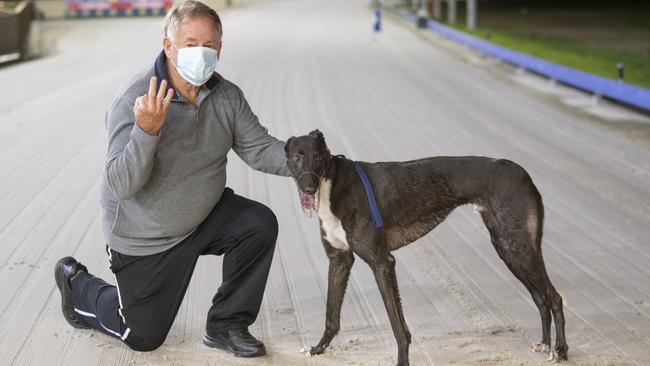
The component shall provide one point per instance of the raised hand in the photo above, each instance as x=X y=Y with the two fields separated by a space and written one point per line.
x=151 y=109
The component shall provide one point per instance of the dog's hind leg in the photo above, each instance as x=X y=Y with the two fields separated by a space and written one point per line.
x=523 y=257
x=339 y=272
x=547 y=299
x=528 y=267
x=514 y=215
x=561 y=347
x=538 y=289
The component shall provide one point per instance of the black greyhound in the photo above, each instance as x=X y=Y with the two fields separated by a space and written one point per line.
x=414 y=197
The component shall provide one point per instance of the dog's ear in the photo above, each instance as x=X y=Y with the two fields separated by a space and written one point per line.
x=318 y=135
x=286 y=145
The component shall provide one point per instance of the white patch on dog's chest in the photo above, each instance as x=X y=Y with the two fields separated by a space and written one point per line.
x=331 y=224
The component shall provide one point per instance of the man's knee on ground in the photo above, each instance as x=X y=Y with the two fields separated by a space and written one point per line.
x=145 y=345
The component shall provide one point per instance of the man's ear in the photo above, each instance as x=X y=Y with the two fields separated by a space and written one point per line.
x=286 y=145
x=167 y=47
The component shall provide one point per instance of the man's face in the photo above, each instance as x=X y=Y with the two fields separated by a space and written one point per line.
x=193 y=32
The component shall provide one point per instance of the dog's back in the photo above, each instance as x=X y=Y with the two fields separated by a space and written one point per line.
x=418 y=195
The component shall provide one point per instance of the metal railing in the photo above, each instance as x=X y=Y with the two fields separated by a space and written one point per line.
x=617 y=90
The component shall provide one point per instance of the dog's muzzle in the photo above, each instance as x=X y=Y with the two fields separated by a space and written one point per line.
x=309 y=202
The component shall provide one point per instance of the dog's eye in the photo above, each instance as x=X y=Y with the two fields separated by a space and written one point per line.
x=296 y=158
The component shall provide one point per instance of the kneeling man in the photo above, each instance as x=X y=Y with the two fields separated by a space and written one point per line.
x=165 y=203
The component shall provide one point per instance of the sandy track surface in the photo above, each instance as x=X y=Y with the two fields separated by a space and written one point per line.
x=393 y=96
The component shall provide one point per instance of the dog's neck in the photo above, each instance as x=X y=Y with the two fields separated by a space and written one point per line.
x=335 y=176
x=334 y=164
x=330 y=168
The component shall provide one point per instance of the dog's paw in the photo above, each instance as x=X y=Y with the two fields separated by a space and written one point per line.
x=560 y=353
x=557 y=356
x=540 y=347
x=306 y=350
x=316 y=350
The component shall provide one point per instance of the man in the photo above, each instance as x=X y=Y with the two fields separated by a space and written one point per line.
x=164 y=200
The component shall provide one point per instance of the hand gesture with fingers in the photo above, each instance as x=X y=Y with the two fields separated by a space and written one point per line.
x=151 y=109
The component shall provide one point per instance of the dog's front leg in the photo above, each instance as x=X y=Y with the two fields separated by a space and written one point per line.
x=339 y=271
x=383 y=267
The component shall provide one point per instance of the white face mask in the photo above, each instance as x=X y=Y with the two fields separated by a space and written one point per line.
x=196 y=64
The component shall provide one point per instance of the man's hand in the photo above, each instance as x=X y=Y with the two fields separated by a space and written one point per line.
x=151 y=109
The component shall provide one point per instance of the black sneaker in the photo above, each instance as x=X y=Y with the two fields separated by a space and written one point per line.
x=64 y=269
x=239 y=342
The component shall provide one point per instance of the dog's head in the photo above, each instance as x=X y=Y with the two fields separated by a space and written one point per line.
x=307 y=159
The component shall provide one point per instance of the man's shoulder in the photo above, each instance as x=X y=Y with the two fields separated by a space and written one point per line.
x=229 y=88
x=224 y=83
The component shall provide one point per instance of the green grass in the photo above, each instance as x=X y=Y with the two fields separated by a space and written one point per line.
x=8 y=5
x=573 y=54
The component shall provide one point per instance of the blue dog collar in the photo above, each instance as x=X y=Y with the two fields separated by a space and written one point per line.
x=370 y=194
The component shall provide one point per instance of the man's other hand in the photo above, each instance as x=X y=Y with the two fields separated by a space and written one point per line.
x=151 y=109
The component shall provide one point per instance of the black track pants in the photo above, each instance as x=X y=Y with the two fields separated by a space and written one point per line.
x=140 y=310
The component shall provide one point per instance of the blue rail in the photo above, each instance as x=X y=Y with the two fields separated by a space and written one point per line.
x=615 y=89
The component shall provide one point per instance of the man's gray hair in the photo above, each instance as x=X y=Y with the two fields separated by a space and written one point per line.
x=189 y=9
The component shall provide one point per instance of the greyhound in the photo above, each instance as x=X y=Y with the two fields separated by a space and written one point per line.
x=414 y=197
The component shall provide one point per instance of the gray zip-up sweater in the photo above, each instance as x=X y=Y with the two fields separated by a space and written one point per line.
x=156 y=190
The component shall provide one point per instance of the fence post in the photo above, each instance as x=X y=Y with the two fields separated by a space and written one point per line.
x=437 y=9
x=471 y=14
x=451 y=11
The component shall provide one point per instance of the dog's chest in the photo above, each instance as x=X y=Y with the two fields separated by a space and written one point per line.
x=331 y=224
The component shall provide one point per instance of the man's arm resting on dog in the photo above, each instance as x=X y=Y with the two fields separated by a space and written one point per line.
x=254 y=145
